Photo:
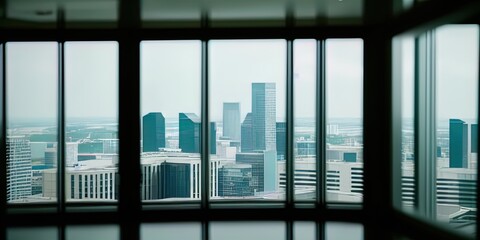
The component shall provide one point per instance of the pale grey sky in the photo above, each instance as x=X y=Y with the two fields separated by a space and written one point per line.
x=171 y=71
x=344 y=78
x=91 y=79
x=32 y=77
x=457 y=71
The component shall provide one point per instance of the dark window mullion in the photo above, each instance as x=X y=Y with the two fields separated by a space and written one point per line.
x=425 y=122
x=321 y=136
x=320 y=125
x=205 y=128
x=478 y=143
x=3 y=145
x=289 y=230
x=129 y=120
x=61 y=138
x=129 y=134
x=205 y=139
x=290 y=185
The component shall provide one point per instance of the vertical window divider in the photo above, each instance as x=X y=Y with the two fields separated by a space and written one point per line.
x=290 y=185
x=397 y=120
x=129 y=169
x=290 y=157
x=204 y=139
x=61 y=123
x=320 y=134
x=425 y=122
x=205 y=230
x=289 y=230
x=205 y=135
x=129 y=200
x=3 y=144
x=204 y=126
x=478 y=144
x=61 y=138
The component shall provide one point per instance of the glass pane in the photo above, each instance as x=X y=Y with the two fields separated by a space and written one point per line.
x=457 y=125
x=407 y=77
x=304 y=231
x=32 y=94
x=247 y=81
x=343 y=231
x=249 y=13
x=86 y=14
x=33 y=233
x=304 y=81
x=91 y=113
x=171 y=231
x=344 y=100
x=247 y=230
x=170 y=110
x=171 y=13
x=97 y=232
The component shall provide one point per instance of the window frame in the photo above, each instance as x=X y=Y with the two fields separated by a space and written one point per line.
x=130 y=214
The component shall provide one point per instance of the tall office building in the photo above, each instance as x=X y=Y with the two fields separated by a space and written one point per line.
x=306 y=148
x=19 y=168
x=213 y=138
x=51 y=155
x=231 y=120
x=458 y=144
x=71 y=154
x=234 y=180
x=84 y=182
x=474 y=138
x=174 y=180
x=171 y=174
x=281 y=138
x=264 y=169
x=189 y=133
x=153 y=132
x=246 y=144
x=264 y=116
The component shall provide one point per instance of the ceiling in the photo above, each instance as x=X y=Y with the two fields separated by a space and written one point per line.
x=178 y=13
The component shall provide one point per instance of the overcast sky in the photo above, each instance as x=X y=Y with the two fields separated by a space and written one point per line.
x=171 y=70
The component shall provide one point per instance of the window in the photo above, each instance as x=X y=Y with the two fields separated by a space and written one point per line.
x=305 y=139
x=32 y=79
x=91 y=112
x=143 y=129
x=247 y=82
x=456 y=75
x=171 y=119
x=439 y=118
x=344 y=117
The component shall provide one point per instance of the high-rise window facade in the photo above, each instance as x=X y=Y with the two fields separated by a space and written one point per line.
x=153 y=132
x=226 y=121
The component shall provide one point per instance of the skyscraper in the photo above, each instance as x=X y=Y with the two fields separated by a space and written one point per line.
x=231 y=120
x=281 y=138
x=474 y=138
x=246 y=144
x=51 y=155
x=264 y=169
x=19 y=168
x=175 y=180
x=458 y=145
x=153 y=132
x=235 y=180
x=189 y=133
x=213 y=138
x=264 y=116
x=306 y=148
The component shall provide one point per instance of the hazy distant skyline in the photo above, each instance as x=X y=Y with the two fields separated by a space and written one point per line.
x=171 y=76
